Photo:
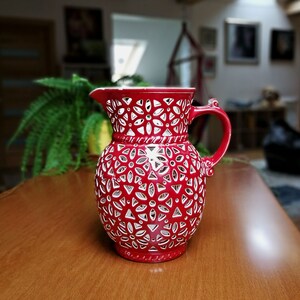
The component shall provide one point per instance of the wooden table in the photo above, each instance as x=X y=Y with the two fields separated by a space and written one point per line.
x=52 y=245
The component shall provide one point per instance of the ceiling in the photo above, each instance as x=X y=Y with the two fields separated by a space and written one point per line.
x=292 y=7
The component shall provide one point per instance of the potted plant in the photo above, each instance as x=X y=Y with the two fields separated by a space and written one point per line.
x=57 y=125
x=64 y=125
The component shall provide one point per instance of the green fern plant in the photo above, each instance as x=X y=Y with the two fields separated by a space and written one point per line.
x=60 y=122
x=57 y=124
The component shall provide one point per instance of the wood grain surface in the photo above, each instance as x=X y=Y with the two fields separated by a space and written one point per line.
x=52 y=245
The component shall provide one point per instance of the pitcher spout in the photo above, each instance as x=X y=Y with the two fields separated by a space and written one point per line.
x=99 y=95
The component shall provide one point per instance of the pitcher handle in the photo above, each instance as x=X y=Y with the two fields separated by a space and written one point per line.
x=214 y=109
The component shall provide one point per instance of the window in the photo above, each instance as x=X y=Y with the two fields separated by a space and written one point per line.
x=127 y=55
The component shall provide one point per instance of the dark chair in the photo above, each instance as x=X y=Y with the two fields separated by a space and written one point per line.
x=282 y=148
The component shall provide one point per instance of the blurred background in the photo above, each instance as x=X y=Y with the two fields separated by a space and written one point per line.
x=104 y=41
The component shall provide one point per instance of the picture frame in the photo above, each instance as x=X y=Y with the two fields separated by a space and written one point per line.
x=84 y=35
x=242 y=41
x=208 y=38
x=282 y=45
x=209 y=66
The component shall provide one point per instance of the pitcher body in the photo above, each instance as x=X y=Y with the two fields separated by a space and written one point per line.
x=150 y=182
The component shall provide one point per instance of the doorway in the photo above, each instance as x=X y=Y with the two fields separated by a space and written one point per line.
x=143 y=45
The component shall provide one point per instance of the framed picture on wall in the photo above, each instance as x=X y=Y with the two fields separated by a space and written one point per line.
x=84 y=35
x=208 y=38
x=282 y=44
x=209 y=66
x=241 y=41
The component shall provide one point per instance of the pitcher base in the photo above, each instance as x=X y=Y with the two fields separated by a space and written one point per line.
x=147 y=257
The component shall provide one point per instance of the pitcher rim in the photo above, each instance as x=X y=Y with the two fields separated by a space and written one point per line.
x=149 y=89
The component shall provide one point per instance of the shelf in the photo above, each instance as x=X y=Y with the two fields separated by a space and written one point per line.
x=249 y=127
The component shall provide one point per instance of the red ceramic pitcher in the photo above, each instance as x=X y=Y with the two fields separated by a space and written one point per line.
x=150 y=181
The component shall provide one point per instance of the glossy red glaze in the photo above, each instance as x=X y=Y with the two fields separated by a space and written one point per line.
x=150 y=181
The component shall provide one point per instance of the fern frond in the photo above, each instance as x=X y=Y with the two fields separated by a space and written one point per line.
x=59 y=157
x=29 y=149
x=54 y=118
x=52 y=161
x=62 y=83
x=64 y=156
x=54 y=82
x=35 y=109
x=83 y=82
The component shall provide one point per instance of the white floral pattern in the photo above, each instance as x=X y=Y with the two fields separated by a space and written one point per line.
x=151 y=197
x=149 y=117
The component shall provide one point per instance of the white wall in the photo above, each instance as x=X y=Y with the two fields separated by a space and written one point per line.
x=243 y=81
x=246 y=81
x=53 y=9
x=161 y=36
